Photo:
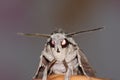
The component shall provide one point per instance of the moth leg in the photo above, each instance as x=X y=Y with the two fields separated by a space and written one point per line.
x=80 y=64
x=68 y=74
x=45 y=74
x=65 y=64
x=50 y=65
x=68 y=71
x=40 y=66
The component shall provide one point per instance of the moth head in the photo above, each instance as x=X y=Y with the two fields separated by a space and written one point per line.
x=58 y=41
x=59 y=45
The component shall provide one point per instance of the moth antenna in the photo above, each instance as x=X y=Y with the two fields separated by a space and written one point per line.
x=89 y=30
x=34 y=35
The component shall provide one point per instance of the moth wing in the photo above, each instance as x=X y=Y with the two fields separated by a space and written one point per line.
x=43 y=63
x=86 y=66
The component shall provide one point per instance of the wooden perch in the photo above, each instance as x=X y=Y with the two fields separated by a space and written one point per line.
x=75 y=77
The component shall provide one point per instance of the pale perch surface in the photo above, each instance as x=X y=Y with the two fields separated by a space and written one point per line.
x=75 y=77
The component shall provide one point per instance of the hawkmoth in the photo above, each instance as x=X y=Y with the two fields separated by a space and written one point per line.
x=62 y=55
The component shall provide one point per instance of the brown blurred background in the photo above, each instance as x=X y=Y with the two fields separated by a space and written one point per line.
x=19 y=56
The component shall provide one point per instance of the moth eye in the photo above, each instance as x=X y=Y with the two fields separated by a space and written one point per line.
x=52 y=43
x=64 y=43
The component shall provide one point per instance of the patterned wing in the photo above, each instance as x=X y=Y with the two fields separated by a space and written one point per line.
x=86 y=66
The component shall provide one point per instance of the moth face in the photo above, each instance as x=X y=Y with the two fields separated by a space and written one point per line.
x=58 y=42
x=59 y=45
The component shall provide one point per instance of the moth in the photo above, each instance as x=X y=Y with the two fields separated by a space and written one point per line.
x=62 y=55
